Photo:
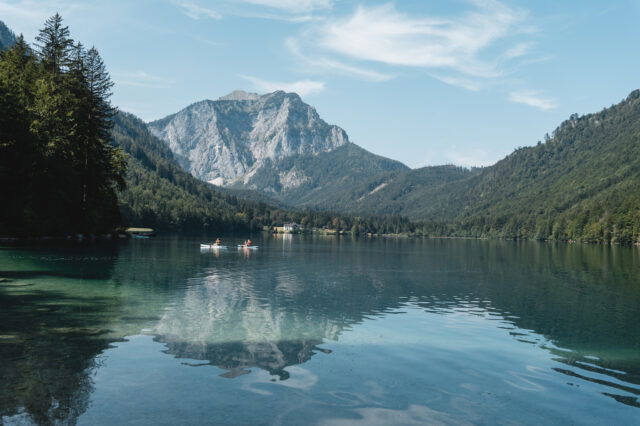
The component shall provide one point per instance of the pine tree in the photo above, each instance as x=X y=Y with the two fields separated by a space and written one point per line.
x=54 y=45
x=101 y=165
x=19 y=149
x=57 y=164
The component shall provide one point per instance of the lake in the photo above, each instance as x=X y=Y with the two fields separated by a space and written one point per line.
x=320 y=330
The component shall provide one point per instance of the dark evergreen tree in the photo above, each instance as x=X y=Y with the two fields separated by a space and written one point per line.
x=19 y=148
x=99 y=166
x=55 y=137
x=54 y=45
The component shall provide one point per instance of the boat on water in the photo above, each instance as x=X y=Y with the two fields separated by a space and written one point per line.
x=242 y=246
x=212 y=246
x=140 y=232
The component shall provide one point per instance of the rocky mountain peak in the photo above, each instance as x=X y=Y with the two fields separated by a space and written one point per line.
x=240 y=95
x=228 y=140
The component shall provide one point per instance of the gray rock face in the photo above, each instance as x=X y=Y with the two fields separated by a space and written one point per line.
x=240 y=95
x=226 y=141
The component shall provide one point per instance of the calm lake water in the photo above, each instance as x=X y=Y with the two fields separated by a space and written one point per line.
x=320 y=330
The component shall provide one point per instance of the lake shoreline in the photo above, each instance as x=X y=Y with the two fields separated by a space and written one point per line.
x=115 y=237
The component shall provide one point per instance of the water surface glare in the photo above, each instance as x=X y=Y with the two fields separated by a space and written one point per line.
x=320 y=330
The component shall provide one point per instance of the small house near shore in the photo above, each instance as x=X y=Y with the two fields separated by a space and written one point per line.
x=287 y=228
x=291 y=227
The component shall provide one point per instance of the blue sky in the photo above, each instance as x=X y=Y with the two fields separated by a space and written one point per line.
x=424 y=82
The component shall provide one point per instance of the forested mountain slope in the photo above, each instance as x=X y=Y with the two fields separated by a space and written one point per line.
x=273 y=143
x=403 y=192
x=328 y=180
x=62 y=165
x=582 y=183
x=7 y=37
x=160 y=194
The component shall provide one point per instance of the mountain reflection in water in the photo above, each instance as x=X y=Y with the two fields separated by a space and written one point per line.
x=355 y=302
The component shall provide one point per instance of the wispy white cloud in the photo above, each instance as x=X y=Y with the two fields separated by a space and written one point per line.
x=458 y=50
x=141 y=79
x=533 y=98
x=296 y=12
x=195 y=11
x=466 y=83
x=302 y=87
x=367 y=74
x=275 y=16
x=21 y=11
x=517 y=51
x=321 y=63
x=284 y=17
x=293 y=6
x=28 y=16
x=299 y=19
x=382 y=34
x=209 y=42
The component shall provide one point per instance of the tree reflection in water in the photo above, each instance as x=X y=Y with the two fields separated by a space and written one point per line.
x=274 y=309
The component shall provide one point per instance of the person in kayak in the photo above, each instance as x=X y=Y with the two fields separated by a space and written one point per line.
x=248 y=243
x=217 y=242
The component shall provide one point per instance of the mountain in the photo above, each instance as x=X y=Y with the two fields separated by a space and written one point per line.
x=162 y=195
x=228 y=140
x=274 y=143
x=7 y=37
x=404 y=192
x=580 y=184
x=70 y=166
x=324 y=180
x=577 y=185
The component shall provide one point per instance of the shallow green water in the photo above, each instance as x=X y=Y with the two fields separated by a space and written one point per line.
x=322 y=330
